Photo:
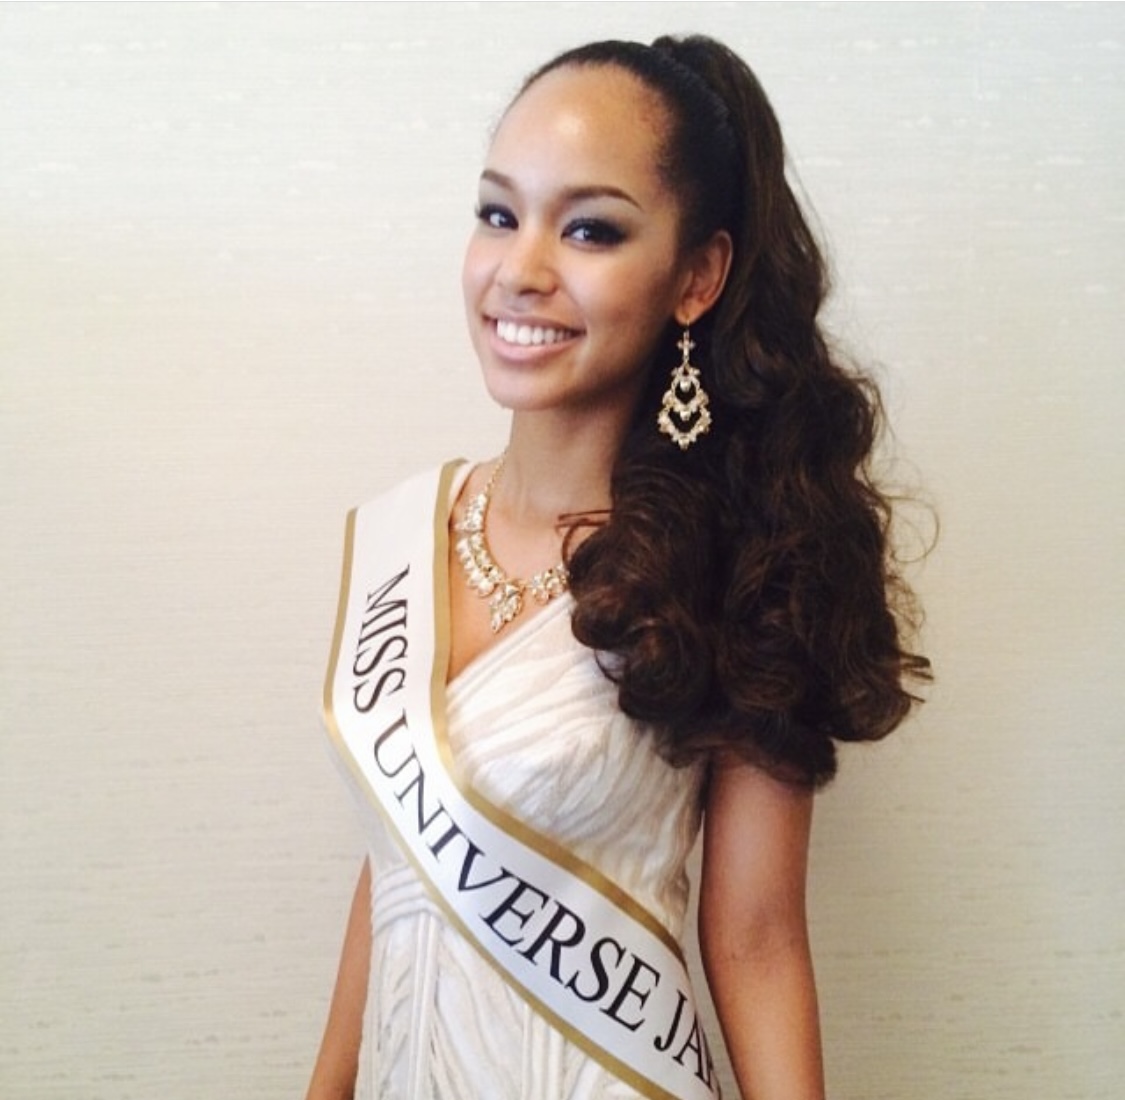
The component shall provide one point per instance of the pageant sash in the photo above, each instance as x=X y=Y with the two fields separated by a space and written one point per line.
x=583 y=953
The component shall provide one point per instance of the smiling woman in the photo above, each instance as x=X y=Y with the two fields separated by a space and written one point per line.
x=709 y=604
x=577 y=252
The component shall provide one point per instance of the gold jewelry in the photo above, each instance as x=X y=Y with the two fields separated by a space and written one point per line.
x=684 y=415
x=486 y=578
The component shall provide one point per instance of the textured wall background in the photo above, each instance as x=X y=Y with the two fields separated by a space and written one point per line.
x=229 y=308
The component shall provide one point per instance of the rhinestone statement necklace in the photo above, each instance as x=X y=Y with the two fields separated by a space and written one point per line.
x=504 y=594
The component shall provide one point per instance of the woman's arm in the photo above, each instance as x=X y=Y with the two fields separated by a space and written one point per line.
x=335 y=1072
x=753 y=932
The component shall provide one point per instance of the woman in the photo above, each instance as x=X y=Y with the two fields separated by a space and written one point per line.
x=666 y=599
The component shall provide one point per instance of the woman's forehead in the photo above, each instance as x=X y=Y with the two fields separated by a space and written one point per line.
x=574 y=94
x=596 y=115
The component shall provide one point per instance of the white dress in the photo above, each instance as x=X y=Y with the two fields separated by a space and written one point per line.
x=534 y=726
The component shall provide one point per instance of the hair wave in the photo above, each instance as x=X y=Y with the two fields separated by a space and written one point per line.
x=744 y=594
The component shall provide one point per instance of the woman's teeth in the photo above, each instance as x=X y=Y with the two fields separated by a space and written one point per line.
x=530 y=335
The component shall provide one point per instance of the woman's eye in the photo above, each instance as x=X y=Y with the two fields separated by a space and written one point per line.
x=494 y=216
x=595 y=231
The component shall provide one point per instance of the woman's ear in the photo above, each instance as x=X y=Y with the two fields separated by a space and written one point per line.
x=705 y=275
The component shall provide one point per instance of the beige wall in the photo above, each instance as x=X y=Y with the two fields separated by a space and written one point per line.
x=229 y=308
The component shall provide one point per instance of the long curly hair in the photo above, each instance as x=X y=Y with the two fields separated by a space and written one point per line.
x=744 y=594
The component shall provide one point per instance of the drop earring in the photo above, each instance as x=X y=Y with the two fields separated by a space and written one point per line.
x=684 y=415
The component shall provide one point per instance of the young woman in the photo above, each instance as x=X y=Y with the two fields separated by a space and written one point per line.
x=662 y=603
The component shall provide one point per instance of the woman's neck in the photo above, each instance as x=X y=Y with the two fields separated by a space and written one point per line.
x=554 y=469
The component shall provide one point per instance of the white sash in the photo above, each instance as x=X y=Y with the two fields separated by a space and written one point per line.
x=583 y=953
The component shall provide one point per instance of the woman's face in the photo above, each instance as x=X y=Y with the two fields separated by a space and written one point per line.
x=573 y=269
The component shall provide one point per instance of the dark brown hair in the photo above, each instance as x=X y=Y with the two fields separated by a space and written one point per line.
x=743 y=594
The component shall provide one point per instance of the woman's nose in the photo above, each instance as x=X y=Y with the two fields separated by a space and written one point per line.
x=527 y=266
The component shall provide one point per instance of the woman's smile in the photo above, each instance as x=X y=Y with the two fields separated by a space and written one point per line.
x=531 y=333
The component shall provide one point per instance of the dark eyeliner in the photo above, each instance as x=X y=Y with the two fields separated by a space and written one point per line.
x=595 y=231
x=486 y=212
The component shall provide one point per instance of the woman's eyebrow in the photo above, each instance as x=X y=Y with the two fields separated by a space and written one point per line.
x=570 y=194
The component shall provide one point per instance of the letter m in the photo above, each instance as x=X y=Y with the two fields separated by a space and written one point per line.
x=382 y=613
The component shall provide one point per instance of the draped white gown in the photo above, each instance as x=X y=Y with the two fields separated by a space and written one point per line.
x=534 y=726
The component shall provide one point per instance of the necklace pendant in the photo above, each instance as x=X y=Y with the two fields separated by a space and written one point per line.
x=548 y=584
x=505 y=605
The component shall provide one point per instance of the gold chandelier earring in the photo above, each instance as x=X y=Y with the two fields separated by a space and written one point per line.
x=684 y=415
